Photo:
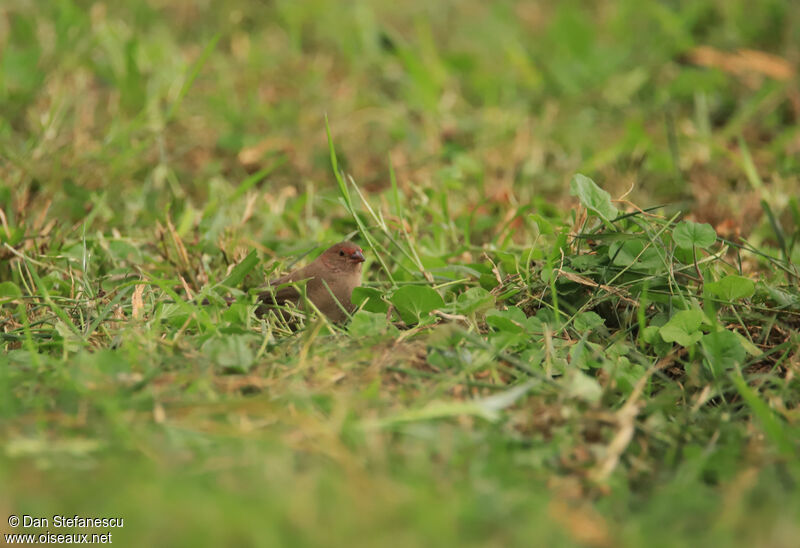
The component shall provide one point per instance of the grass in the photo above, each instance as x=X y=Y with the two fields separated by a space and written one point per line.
x=580 y=316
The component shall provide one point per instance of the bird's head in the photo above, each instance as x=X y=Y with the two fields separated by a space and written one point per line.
x=344 y=256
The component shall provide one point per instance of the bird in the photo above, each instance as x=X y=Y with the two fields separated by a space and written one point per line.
x=330 y=280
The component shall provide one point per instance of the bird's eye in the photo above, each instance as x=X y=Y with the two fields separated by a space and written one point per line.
x=341 y=253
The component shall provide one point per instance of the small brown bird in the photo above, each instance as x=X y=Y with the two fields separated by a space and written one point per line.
x=338 y=268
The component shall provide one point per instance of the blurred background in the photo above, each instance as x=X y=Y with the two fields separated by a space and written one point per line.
x=172 y=104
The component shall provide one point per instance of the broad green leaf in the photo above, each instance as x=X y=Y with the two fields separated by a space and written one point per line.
x=583 y=355
x=583 y=387
x=593 y=197
x=683 y=328
x=371 y=297
x=236 y=314
x=582 y=263
x=750 y=348
x=688 y=234
x=651 y=336
x=71 y=340
x=488 y=281
x=367 y=324
x=587 y=320
x=473 y=300
x=512 y=320
x=782 y=298
x=731 y=288
x=543 y=225
x=487 y=408
x=415 y=302
x=497 y=402
x=629 y=252
x=502 y=340
x=9 y=289
x=723 y=351
x=233 y=352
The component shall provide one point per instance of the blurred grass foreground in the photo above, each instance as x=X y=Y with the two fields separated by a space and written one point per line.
x=580 y=318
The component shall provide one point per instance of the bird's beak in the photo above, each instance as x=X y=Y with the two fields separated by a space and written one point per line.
x=357 y=256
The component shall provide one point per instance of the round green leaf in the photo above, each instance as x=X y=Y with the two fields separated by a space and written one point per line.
x=683 y=328
x=368 y=324
x=629 y=252
x=474 y=299
x=414 y=302
x=586 y=321
x=723 y=350
x=373 y=298
x=731 y=288
x=688 y=234
x=511 y=320
x=9 y=289
x=233 y=352
x=543 y=225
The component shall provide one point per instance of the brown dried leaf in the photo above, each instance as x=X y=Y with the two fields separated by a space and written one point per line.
x=184 y=256
x=744 y=62
x=189 y=294
x=137 y=304
x=582 y=522
x=251 y=156
x=159 y=415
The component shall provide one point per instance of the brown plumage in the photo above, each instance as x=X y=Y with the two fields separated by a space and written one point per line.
x=339 y=267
